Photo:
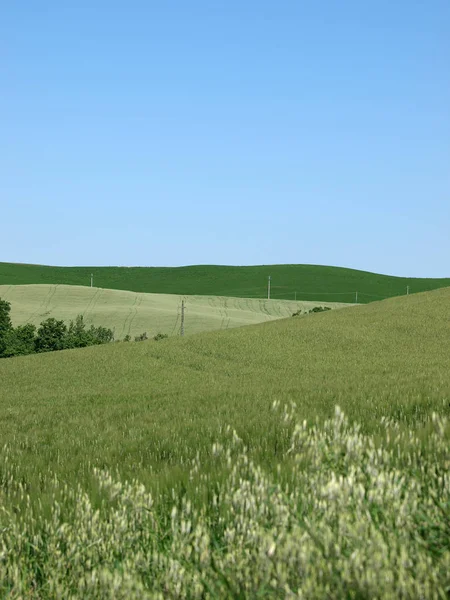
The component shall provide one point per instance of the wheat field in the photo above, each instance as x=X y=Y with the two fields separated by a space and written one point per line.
x=131 y=313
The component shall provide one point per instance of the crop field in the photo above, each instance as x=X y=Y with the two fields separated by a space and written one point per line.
x=289 y=282
x=306 y=457
x=131 y=313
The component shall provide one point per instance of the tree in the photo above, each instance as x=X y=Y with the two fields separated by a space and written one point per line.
x=101 y=335
x=21 y=340
x=5 y=325
x=77 y=336
x=51 y=335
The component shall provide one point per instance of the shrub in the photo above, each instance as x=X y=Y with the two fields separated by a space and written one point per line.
x=51 y=335
x=101 y=335
x=127 y=338
x=160 y=336
x=317 y=309
x=5 y=325
x=77 y=336
x=21 y=340
x=141 y=337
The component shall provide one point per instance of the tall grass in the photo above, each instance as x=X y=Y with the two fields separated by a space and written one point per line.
x=120 y=478
x=341 y=516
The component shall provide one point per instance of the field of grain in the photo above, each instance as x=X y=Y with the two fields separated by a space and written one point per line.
x=289 y=282
x=131 y=313
x=219 y=466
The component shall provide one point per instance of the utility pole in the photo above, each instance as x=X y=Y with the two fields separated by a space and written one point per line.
x=356 y=297
x=407 y=290
x=92 y=279
x=268 y=288
x=182 y=318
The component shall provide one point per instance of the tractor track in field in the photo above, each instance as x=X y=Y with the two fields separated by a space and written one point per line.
x=223 y=308
x=176 y=320
x=41 y=310
x=92 y=302
x=136 y=306
x=5 y=294
x=126 y=328
x=263 y=307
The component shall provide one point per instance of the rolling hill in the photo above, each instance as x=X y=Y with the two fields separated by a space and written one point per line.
x=289 y=282
x=131 y=313
x=255 y=483
x=124 y=404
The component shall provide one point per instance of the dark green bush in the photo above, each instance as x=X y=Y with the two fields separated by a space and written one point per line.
x=5 y=325
x=21 y=341
x=51 y=336
x=160 y=336
x=101 y=335
x=141 y=337
x=316 y=309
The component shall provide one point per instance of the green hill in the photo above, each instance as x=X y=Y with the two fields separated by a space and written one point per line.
x=125 y=404
x=133 y=313
x=281 y=504
x=289 y=282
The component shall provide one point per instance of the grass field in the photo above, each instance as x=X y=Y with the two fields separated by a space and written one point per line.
x=279 y=508
x=133 y=313
x=304 y=282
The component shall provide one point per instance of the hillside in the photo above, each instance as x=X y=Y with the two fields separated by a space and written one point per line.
x=297 y=496
x=131 y=313
x=125 y=404
x=289 y=282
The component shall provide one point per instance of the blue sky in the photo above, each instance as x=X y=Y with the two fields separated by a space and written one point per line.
x=233 y=132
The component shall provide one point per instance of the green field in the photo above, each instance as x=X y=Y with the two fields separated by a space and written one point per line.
x=131 y=313
x=304 y=282
x=279 y=508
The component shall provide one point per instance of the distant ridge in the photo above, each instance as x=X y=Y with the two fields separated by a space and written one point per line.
x=288 y=282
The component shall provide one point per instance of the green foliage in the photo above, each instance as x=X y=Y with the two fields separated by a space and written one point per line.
x=318 y=309
x=21 y=340
x=327 y=284
x=51 y=336
x=127 y=338
x=80 y=337
x=101 y=335
x=160 y=336
x=5 y=325
x=77 y=336
x=141 y=337
x=315 y=309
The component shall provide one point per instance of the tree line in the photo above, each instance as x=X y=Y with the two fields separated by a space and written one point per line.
x=51 y=335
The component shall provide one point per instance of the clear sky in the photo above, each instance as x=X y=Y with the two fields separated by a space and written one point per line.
x=226 y=132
